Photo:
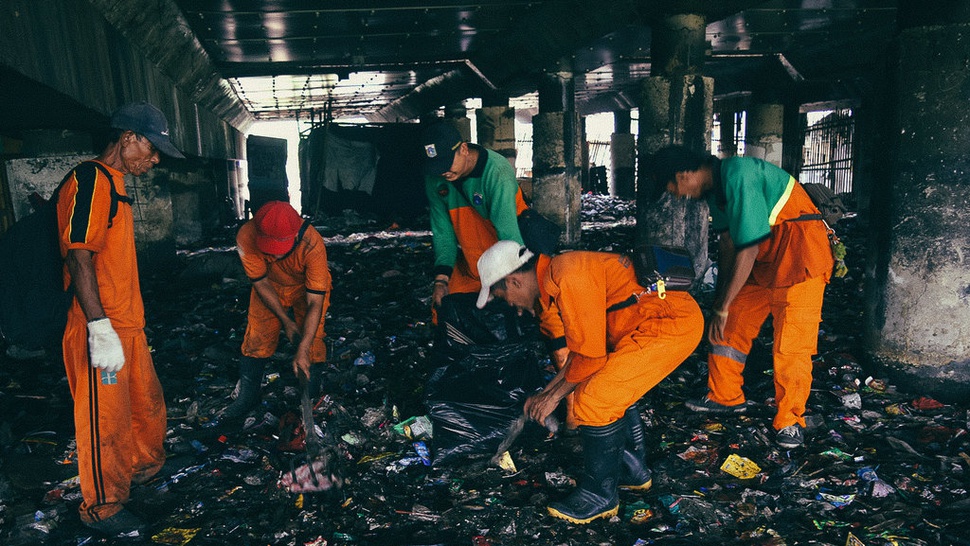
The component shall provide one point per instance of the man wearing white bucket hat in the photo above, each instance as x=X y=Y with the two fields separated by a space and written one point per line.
x=623 y=339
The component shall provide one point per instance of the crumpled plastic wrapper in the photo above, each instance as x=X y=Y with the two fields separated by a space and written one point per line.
x=302 y=481
x=740 y=467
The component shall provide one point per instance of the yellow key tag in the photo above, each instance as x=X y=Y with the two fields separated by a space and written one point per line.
x=661 y=289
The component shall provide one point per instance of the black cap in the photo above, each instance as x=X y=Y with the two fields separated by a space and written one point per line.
x=440 y=142
x=149 y=122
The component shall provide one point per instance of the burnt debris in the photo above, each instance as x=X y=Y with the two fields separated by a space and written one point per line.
x=881 y=466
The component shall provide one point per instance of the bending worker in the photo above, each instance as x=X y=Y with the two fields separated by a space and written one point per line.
x=774 y=258
x=286 y=261
x=119 y=409
x=475 y=200
x=622 y=341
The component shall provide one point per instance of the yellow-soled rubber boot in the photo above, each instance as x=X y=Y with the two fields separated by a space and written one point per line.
x=596 y=497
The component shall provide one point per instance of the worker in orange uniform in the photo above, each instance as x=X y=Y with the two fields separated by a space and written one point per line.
x=475 y=200
x=774 y=258
x=119 y=409
x=623 y=339
x=286 y=261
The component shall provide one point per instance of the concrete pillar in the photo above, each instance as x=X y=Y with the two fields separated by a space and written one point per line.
x=496 y=128
x=557 y=157
x=763 y=139
x=918 y=278
x=458 y=115
x=623 y=157
x=677 y=107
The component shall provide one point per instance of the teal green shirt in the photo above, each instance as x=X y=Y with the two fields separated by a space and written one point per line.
x=490 y=192
x=751 y=194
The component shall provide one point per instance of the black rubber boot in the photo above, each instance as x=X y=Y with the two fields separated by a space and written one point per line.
x=634 y=473
x=596 y=497
x=250 y=384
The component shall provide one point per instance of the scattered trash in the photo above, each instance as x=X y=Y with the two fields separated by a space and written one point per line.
x=880 y=465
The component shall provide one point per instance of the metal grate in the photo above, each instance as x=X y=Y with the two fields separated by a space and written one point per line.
x=827 y=153
x=728 y=125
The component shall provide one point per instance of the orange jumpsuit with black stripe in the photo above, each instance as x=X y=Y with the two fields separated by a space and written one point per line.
x=303 y=270
x=622 y=339
x=119 y=418
x=761 y=204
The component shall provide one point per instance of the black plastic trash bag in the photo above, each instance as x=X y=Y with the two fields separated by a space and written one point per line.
x=487 y=364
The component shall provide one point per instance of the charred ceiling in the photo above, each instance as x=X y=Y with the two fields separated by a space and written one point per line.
x=391 y=60
x=399 y=59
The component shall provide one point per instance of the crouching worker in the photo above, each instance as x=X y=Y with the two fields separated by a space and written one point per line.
x=286 y=261
x=622 y=340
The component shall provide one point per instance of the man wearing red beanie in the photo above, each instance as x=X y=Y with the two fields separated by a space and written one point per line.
x=286 y=261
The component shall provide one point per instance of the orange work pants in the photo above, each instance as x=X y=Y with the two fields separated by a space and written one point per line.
x=263 y=328
x=657 y=336
x=119 y=420
x=796 y=313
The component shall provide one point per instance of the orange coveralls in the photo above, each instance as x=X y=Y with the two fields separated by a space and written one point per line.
x=623 y=341
x=119 y=418
x=303 y=270
x=788 y=281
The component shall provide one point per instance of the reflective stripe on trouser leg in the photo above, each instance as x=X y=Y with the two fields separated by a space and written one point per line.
x=797 y=312
x=725 y=362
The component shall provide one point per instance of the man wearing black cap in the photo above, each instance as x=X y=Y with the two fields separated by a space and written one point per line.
x=475 y=201
x=119 y=410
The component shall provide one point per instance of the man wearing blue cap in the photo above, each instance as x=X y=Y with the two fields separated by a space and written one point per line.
x=474 y=201
x=119 y=410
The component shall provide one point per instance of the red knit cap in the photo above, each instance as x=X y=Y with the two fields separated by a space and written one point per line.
x=277 y=224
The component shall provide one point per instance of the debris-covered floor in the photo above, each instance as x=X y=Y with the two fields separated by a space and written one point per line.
x=880 y=466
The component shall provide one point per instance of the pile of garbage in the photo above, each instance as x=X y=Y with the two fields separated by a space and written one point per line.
x=881 y=466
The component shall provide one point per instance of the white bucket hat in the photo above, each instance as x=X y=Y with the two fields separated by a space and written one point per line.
x=499 y=260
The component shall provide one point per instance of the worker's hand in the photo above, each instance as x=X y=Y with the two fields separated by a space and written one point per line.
x=292 y=331
x=439 y=289
x=715 y=332
x=301 y=364
x=104 y=345
x=301 y=360
x=540 y=406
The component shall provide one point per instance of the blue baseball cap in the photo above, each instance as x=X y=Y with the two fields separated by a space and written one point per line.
x=149 y=122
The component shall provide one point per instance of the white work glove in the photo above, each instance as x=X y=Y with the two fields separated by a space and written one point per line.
x=105 y=346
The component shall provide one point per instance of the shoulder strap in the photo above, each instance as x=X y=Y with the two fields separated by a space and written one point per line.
x=303 y=228
x=115 y=196
x=299 y=238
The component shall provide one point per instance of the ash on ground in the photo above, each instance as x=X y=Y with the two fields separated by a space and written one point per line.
x=881 y=466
